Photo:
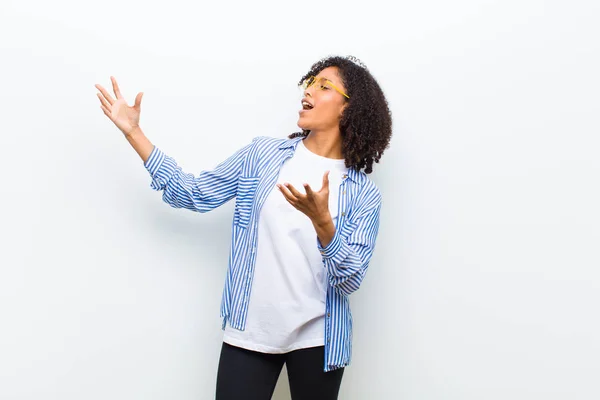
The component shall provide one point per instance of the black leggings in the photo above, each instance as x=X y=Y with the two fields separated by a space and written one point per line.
x=249 y=375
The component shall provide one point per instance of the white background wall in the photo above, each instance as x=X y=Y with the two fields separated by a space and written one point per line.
x=485 y=282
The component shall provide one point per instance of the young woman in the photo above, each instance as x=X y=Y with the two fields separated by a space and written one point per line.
x=305 y=222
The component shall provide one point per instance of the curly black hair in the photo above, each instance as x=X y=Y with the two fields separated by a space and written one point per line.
x=366 y=122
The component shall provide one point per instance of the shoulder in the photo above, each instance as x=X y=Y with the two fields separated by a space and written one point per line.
x=367 y=195
x=365 y=184
x=270 y=141
x=268 y=147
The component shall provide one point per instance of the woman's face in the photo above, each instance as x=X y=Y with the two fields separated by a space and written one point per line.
x=322 y=103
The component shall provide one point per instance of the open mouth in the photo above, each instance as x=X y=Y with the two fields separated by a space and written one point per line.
x=306 y=105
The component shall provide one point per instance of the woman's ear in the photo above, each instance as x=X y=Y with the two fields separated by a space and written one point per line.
x=343 y=108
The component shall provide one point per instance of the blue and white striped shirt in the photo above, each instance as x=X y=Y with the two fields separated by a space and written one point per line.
x=249 y=175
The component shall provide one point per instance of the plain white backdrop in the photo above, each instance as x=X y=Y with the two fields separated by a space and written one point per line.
x=485 y=283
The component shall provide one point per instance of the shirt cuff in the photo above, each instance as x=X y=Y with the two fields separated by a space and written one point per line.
x=160 y=167
x=337 y=249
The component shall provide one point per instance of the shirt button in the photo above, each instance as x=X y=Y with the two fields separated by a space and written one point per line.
x=343 y=214
x=328 y=315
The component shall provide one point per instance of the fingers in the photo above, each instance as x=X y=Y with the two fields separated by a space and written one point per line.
x=325 y=180
x=293 y=190
x=287 y=194
x=138 y=101
x=116 y=87
x=105 y=106
x=103 y=101
x=106 y=111
x=309 y=191
x=291 y=202
x=106 y=95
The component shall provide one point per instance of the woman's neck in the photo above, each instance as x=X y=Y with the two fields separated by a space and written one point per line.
x=325 y=145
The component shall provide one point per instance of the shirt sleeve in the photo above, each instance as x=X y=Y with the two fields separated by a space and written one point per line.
x=346 y=258
x=201 y=193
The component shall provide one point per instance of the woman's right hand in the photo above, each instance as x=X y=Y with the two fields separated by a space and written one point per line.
x=125 y=117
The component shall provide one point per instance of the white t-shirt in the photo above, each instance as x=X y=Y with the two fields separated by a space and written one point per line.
x=287 y=301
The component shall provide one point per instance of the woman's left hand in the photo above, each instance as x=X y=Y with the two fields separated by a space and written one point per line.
x=315 y=205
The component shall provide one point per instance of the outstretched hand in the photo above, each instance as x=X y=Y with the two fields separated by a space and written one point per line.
x=313 y=204
x=125 y=117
